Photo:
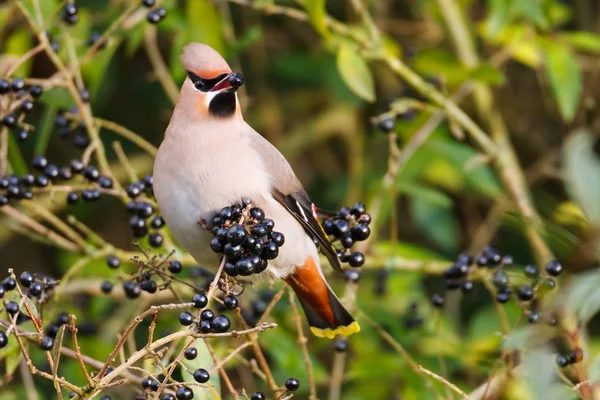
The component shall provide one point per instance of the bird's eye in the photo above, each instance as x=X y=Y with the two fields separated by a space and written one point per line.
x=199 y=84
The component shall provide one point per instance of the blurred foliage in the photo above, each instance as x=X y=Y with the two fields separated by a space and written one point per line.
x=313 y=89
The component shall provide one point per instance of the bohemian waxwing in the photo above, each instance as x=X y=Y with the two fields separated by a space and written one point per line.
x=211 y=158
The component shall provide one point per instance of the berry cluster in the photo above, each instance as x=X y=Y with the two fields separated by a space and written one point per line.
x=25 y=96
x=142 y=211
x=457 y=276
x=35 y=287
x=349 y=225
x=207 y=322
x=18 y=188
x=156 y=15
x=69 y=14
x=73 y=130
x=246 y=238
x=572 y=357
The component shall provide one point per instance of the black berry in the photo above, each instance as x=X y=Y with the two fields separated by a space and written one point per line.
x=207 y=315
x=437 y=300
x=199 y=300
x=554 y=268
x=292 y=384
x=3 y=339
x=47 y=343
x=562 y=361
x=230 y=302
x=357 y=259
x=35 y=289
x=132 y=289
x=533 y=317
x=175 y=267
x=18 y=84
x=26 y=278
x=386 y=125
x=113 y=261
x=220 y=324
x=531 y=271
x=184 y=393
x=190 y=353
x=155 y=240
x=525 y=293
x=9 y=283
x=40 y=162
x=201 y=375
x=341 y=345
x=185 y=318
x=106 y=287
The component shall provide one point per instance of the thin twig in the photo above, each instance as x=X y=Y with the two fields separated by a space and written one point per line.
x=158 y=64
x=74 y=331
x=302 y=342
x=444 y=381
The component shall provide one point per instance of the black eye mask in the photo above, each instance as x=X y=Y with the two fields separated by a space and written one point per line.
x=204 y=85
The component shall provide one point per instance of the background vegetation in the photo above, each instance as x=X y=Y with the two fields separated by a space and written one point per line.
x=494 y=141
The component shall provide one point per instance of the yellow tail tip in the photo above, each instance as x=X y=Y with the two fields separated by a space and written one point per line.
x=340 y=330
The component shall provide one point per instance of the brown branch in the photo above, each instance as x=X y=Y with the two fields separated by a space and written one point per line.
x=74 y=331
x=32 y=224
x=444 y=381
x=222 y=371
x=302 y=342
x=158 y=64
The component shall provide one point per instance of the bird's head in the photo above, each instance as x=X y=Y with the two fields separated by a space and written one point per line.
x=211 y=86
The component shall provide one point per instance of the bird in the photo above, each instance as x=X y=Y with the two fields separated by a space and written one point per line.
x=210 y=158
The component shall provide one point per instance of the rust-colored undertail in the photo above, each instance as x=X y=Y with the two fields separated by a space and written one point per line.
x=326 y=316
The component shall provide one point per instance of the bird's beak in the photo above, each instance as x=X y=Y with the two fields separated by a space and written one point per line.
x=229 y=83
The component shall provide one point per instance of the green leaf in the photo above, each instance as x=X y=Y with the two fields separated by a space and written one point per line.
x=135 y=36
x=531 y=9
x=425 y=193
x=403 y=250
x=15 y=158
x=58 y=97
x=585 y=41
x=316 y=13
x=12 y=354
x=439 y=223
x=204 y=25
x=539 y=372
x=438 y=62
x=44 y=129
x=355 y=72
x=583 y=297
x=581 y=171
x=497 y=18
x=95 y=72
x=488 y=74
x=594 y=370
x=518 y=338
x=17 y=44
x=47 y=7
x=565 y=78
x=481 y=178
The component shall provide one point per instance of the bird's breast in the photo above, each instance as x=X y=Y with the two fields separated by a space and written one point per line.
x=194 y=179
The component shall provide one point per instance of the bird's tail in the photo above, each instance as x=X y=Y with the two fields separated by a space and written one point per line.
x=326 y=316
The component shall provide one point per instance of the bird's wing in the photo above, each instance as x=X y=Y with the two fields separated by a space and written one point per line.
x=288 y=191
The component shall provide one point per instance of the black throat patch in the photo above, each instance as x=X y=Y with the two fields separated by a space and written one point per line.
x=222 y=105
